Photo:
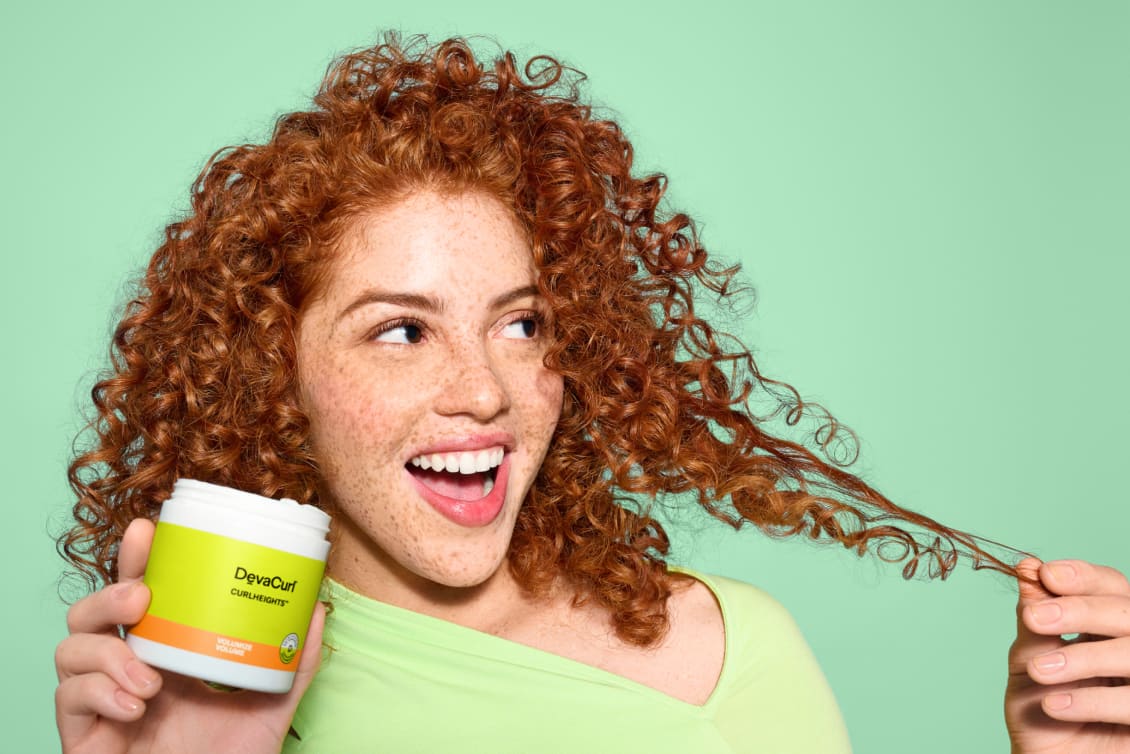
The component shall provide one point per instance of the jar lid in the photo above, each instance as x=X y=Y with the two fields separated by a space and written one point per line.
x=252 y=504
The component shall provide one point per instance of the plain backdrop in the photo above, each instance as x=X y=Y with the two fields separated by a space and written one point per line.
x=929 y=198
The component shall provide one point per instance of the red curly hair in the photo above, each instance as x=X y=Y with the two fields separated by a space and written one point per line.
x=203 y=378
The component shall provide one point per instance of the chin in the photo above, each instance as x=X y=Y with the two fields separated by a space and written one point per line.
x=458 y=571
x=462 y=579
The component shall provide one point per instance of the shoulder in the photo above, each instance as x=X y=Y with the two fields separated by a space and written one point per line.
x=720 y=631
x=742 y=606
x=696 y=637
x=761 y=637
x=770 y=668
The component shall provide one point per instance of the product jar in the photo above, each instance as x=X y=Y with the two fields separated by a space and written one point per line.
x=234 y=577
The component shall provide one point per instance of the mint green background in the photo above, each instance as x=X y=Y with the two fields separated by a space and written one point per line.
x=930 y=199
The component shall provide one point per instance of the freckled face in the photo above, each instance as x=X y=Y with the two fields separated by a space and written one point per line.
x=420 y=367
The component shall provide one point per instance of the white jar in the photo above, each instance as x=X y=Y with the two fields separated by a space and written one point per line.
x=234 y=578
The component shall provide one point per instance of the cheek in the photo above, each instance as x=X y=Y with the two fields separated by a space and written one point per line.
x=342 y=415
x=546 y=398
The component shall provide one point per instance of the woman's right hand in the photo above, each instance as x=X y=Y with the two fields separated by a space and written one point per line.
x=109 y=702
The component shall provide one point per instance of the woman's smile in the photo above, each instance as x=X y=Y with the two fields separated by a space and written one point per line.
x=458 y=475
x=466 y=480
x=466 y=498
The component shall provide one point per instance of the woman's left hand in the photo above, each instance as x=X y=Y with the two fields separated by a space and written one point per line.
x=1070 y=696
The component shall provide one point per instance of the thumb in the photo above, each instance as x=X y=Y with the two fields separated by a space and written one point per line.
x=1031 y=588
x=1028 y=643
x=133 y=551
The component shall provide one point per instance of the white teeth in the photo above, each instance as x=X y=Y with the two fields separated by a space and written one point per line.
x=482 y=460
x=469 y=462
x=488 y=485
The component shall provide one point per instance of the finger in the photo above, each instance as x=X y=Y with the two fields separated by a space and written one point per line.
x=311 y=658
x=81 y=700
x=106 y=609
x=134 y=550
x=100 y=653
x=1093 y=659
x=1102 y=615
x=1097 y=704
x=1029 y=643
x=1068 y=577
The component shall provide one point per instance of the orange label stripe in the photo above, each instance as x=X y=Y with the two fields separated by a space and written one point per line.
x=214 y=645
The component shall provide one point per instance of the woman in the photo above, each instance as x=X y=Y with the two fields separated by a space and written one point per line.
x=436 y=262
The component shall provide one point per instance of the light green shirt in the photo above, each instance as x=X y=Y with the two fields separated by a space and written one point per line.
x=397 y=681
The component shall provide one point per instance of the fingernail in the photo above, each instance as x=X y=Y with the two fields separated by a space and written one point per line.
x=140 y=674
x=125 y=701
x=1051 y=662
x=1062 y=571
x=1047 y=612
x=1057 y=701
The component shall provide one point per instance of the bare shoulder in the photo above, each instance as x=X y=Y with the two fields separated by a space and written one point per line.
x=740 y=597
x=695 y=602
x=695 y=646
x=686 y=663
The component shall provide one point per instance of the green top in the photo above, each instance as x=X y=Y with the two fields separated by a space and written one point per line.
x=397 y=681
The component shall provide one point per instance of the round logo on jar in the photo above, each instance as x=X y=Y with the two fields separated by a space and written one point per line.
x=288 y=649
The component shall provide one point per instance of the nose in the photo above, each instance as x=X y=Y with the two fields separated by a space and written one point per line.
x=474 y=388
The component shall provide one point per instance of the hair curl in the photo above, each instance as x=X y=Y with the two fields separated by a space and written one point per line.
x=202 y=379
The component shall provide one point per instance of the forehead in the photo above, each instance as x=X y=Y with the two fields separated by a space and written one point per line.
x=424 y=238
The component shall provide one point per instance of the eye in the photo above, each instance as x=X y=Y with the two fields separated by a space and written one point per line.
x=523 y=328
x=402 y=332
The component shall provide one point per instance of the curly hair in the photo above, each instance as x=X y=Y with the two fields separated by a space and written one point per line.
x=202 y=382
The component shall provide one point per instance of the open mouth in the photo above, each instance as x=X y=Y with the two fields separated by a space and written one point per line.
x=464 y=476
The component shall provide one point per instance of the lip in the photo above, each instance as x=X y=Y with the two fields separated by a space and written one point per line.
x=468 y=513
x=471 y=442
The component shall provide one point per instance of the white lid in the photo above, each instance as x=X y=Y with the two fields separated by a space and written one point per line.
x=249 y=503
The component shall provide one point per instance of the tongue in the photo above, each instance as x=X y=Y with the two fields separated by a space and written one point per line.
x=457 y=486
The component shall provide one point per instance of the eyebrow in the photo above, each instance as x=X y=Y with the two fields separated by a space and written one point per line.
x=511 y=296
x=428 y=303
